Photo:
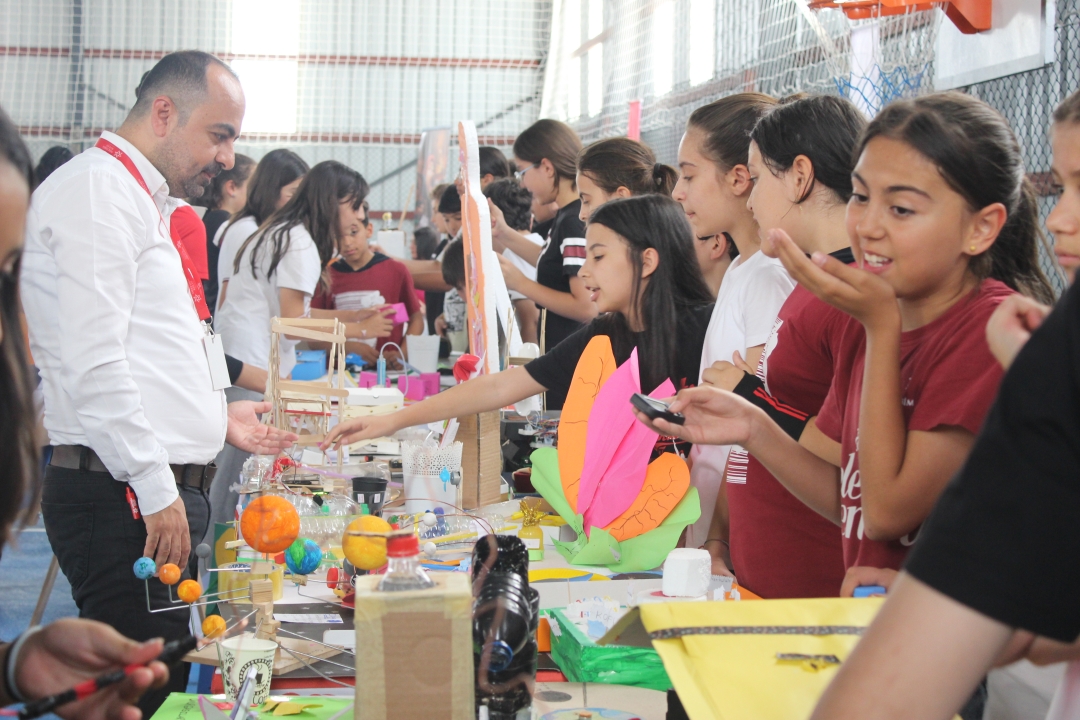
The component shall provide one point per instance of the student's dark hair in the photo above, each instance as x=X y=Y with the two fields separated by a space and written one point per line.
x=1069 y=110
x=493 y=162
x=239 y=174
x=53 y=158
x=277 y=169
x=426 y=240
x=19 y=463
x=453 y=264
x=315 y=207
x=675 y=287
x=621 y=162
x=727 y=123
x=553 y=140
x=179 y=75
x=450 y=201
x=977 y=155
x=514 y=201
x=824 y=128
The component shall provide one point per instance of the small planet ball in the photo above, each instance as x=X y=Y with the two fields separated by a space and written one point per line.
x=145 y=568
x=169 y=573
x=270 y=524
x=429 y=519
x=303 y=556
x=366 y=553
x=213 y=626
x=202 y=550
x=189 y=591
x=430 y=549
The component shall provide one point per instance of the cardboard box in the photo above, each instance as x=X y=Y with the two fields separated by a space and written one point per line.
x=481 y=459
x=414 y=655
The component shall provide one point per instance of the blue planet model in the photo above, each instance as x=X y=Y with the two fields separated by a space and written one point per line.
x=303 y=556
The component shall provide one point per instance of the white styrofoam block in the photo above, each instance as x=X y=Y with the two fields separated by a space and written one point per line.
x=687 y=572
x=375 y=396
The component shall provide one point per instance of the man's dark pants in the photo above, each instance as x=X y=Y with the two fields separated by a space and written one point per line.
x=97 y=541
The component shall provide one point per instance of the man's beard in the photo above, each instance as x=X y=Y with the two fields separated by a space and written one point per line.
x=194 y=187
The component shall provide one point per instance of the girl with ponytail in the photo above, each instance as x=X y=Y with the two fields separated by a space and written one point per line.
x=619 y=167
x=943 y=228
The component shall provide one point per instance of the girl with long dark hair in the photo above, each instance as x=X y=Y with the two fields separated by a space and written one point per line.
x=641 y=271
x=274 y=182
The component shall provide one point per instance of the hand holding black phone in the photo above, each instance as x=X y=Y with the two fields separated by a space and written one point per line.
x=656 y=409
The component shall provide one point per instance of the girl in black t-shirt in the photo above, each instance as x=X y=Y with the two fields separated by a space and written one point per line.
x=546 y=158
x=642 y=273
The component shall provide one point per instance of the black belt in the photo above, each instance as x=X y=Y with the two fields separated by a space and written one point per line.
x=79 y=457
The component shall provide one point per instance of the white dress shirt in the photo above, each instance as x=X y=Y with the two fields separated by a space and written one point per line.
x=113 y=328
x=251 y=302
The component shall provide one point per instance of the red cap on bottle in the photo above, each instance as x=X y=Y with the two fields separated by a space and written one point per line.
x=403 y=546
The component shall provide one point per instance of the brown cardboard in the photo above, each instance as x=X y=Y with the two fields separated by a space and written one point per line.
x=481 y=459
x=414 y=657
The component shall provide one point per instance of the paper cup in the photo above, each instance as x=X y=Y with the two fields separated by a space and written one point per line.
x=424 y=352
x=241 y=653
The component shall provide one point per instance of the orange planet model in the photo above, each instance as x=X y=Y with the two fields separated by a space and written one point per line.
x=213 y=626
x=189 y=591
x=270 y=524
x=169 y=574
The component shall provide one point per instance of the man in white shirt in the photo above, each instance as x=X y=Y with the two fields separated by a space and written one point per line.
x=132 y=384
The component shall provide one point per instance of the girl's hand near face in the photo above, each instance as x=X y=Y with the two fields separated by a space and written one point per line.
x=499 y=227
x=514 y=278
x=859 y=293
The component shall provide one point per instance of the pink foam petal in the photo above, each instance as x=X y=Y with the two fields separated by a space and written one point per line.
x=609 y=421
x=624 y=477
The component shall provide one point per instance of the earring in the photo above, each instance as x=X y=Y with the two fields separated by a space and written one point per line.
x=972 y=249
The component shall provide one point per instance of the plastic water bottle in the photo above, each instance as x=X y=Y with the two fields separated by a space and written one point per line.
x=405 y=571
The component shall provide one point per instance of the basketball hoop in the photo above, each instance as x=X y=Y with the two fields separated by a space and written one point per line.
x=970 y=16
x=885 y=50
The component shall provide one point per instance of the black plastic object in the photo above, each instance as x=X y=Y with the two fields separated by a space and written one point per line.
x=506 y=613
x=370 y=491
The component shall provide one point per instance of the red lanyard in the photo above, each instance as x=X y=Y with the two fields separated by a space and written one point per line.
x=193 y=282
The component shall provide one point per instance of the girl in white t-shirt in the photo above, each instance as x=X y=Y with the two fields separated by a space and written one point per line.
x=713 y=187
x=273 y=184
x=279 y=268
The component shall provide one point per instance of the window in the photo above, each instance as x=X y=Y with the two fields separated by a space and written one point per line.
x=702 y=41
x=267 y=28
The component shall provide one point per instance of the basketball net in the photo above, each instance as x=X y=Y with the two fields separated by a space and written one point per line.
x=878 y=55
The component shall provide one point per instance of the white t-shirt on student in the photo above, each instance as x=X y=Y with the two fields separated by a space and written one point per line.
x=749 y=300
x=230 y=238
x=522 y=264
x=251 y=302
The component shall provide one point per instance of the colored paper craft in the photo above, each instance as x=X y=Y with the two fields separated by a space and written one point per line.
x=287 y=707
x=595 y=366
x=607 y=427
x=644 y=552
x=666 y=482
x=625 y=475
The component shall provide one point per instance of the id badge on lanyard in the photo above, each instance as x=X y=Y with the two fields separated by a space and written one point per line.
x=215 y=351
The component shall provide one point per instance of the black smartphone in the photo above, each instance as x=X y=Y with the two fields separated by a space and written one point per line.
x=655 y=409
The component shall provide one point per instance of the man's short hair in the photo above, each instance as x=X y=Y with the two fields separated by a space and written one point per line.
x=515 y=202
x=453 y=264
x=179 y=75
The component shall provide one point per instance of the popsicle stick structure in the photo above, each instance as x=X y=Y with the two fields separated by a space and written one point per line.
x=304 y=407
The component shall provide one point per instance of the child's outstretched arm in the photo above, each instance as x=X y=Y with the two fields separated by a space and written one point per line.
x=487 y=392
x=902 y=473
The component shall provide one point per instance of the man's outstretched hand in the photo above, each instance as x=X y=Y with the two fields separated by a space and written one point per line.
x=248 y=433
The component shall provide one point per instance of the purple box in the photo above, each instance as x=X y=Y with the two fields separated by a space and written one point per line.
x=401 y=315
x=431 y=383
x=411 y=387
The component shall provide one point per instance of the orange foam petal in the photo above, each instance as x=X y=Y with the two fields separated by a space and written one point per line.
x=593 y=369
x=666 y=482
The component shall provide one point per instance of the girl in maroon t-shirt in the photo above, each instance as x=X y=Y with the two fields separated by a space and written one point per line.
x=943 y=222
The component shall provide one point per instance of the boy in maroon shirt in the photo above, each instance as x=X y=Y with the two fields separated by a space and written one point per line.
x=362 y=278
